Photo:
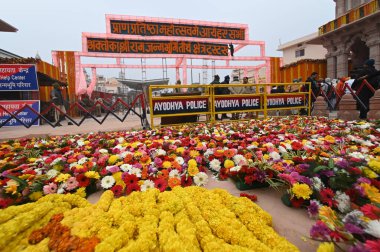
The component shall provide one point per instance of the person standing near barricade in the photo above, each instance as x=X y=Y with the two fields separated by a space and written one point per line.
x=236 y=90
x=57 y=99
x=365 y=93
x=314 y=87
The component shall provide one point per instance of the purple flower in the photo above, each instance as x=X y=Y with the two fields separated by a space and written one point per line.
x=158 y=162
x=327 y=173
x=137 y=165
x=353 y=229
x=363 y=180
x=320 y=230
x=113 y=169
x=358 y=248
x=313 y=208
x=343 y=164
x=198 y=159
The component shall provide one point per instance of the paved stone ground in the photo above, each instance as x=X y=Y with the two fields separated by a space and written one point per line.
x=294 y=224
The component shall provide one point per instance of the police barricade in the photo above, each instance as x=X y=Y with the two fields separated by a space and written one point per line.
x=204 y=105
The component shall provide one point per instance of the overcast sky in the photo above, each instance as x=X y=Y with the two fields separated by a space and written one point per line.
x=46 y=25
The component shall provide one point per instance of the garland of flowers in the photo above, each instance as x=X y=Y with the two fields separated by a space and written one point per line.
x=189 y=218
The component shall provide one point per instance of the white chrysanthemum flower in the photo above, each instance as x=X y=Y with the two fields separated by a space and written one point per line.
x=73 y=165
x=208 y=153
x=148 y=184
x=119 y=146
x=103 y=151
x=239 y=159
x=288 y=146
x=343 y=200
x=166 y=137
x=80 y=142
x=281 y=137
x=121 y=140
x=61 y=188
x=56 y=161
x=231 y=132
x=38 y=171
x=201 y=179
x=82 y=160
x=317 y=183
x=174 y=174
x=357 y=155
x=235 y=168
x=52 y=173
x=180 y=160
x=367 y=143
x=274 y=155
x=252 y=146
x=124 y=154
x=364 y=126
x=215 y=164
x=126 y=167
x=373 y=228
x=282 y=149
x=107 y=182
x=136 y=171
x=160 y=152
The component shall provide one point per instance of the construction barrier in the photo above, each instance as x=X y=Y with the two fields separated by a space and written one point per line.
x=206 y=104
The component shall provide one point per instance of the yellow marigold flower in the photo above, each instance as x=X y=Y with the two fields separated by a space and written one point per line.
x=266 y=156
x=86 y=142
x=371 y=192
x=374 y=164
x=81 y=192
x=32 y=160
x=166 y=164
x=34 y=196
x=58 y=167
x=255 y=144
x=92 y=174
x=79 y=167
x=301 y=191
x=377 y=150
x=328 y=216
x=12 y=189
x=369 y=173
x=135 y=144
x=194 y=153
x=192 y=170
x=353 y=147
x=62 y=177
x=113 y=159
x=326 y=247
x=330 y=139
x=229 y=164
x=192 y=162
x=289 y=162
x=180 y=150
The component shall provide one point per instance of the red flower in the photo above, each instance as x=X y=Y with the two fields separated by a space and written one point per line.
x=297 y=203
x=249 y=179
x=373 y=245
x=371 y=211
x=83 y=180
x=130 y=179
x=186 y=181
x=117 y=190
x=252 y=197
x=223 y=174
x=296 y=145
x=327 y=197
x=161 y=184
x=4 y=203
x=132 y=188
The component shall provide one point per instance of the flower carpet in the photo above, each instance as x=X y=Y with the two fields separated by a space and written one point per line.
x=329 y=167
x=184 y=219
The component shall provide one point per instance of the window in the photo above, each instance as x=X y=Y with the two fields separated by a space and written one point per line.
x=347 y=5
x=300 y=53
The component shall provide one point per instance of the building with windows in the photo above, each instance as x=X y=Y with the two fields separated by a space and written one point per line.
x=299 y=49
x=352 y=37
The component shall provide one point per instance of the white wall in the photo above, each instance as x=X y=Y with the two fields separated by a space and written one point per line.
x=311 y=52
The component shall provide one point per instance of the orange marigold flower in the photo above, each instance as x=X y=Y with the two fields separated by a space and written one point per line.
x=229 y=153
x=88 y=165
x=219 y=153
x=173 y=182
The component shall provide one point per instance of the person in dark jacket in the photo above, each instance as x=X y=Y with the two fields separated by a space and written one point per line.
x=314 y=86
x=57 y=98
x=369 y=73
x=217 y=90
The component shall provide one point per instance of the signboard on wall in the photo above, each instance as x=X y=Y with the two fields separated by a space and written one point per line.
x=155 y=47
x=144 y=28
x=180 y=106
x=26 y=116
x=18 y=77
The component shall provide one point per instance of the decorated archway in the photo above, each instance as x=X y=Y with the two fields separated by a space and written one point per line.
x=177 y=40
